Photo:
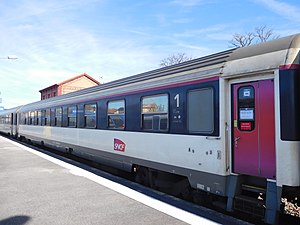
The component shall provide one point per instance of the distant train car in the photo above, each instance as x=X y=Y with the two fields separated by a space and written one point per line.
x=8 y=121
x=225 y=125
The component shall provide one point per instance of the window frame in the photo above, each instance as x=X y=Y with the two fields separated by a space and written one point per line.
x=212 y=117
x=37 y=119
x=240 y=101
x=111 y=115
x=25 y=117
x=31 y=117
x=70 y=115
x=45 y=118
x=87 y=115
x=58 y=116
x=155 y=115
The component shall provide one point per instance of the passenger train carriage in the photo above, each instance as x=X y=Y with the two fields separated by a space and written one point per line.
x=8 y=121
x=225 y=125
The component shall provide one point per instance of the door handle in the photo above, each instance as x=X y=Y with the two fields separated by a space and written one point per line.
x=236 y=141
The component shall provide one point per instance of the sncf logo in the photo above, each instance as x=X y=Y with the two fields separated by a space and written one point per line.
x=119 y=145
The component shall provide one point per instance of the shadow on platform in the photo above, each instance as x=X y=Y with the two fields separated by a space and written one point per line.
x=15 y=220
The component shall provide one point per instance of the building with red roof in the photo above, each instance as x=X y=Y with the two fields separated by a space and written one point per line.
x=73 y=84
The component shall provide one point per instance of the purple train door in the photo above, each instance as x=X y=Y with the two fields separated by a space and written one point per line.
x=254 y=129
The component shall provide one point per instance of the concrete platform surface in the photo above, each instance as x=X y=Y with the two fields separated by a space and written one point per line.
x=36 y=188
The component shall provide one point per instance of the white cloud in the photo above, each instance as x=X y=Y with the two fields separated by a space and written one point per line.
x=189 y=3
x=182 y=20
x=206 y=31
x=283 y=9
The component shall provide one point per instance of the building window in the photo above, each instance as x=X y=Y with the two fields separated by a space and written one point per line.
x=116 y=114
x=72 y=115
x=155 y=111
x=90 y=112
x=201 y=111
x=58 y=117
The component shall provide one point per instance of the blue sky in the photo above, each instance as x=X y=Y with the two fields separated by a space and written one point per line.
x=57 y=39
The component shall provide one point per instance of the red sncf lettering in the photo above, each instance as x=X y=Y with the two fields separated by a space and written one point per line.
x=119 y=145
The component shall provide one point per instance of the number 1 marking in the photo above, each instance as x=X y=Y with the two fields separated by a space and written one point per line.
x=176 y=98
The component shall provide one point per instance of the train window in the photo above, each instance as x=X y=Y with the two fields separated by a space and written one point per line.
x=34 y=117
x=72 y=115
x=45 y=117
x=12 y=119
x=155 y=111
x=58 y=117
x=90 y=112
x=246 y=108
x=24 y=117
x=116 y=114
x=6 y=119
x=37 y=120
x=28 y=118
x=201 y=111
x=31 y=118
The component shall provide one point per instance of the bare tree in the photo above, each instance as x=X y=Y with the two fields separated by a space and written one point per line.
x=264 y=34
x=242 y=40
x=175 y=59
x=260 y=34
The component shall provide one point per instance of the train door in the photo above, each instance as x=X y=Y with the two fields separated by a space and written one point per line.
x=12 y=123
x=15 y=122
x=253 y=137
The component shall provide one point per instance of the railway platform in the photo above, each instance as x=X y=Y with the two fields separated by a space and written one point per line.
x=37 y=188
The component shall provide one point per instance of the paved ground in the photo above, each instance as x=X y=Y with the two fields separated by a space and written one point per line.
x=34 y=190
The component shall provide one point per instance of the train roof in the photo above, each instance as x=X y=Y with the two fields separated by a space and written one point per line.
x=224 y=64
x=8 y=111
x=275 y=45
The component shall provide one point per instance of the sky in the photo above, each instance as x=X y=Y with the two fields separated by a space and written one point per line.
x=111 y=39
